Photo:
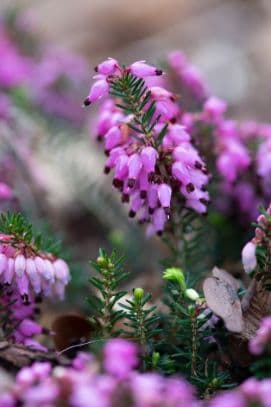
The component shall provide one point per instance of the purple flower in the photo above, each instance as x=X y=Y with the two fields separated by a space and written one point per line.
x=141 y=69
x=120 y=357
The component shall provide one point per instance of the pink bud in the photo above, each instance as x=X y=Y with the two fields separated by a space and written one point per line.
x=30 y=268
x=137 y=203
x=107 y=67
x=5 y=191
x=186 y=154
x=196 y=205
x=3 y=263
x=29 y=328
x=112 y=138
x=134 y=168
x=250 y=388
x=19 y=265
x=152 y=197
x=62 y=272
x=41 y=370
x=40 y=265
x=9 y=273
x=112 y=159
x=23 y=284
x=98 y=90
x=141 y=69
x=159 y=219
x=59 y=290
x=149 y=156
x=249 y=259
x=164 y=195
x=178 y=133
x=25 y=377
x=49 y=271
x=180 y=171
x=143 y=184
x=34 y=276
x=214 y=108
x=121 y=167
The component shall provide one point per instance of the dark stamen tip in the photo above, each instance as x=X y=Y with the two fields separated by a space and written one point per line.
x=86 y=102
x=158 y=72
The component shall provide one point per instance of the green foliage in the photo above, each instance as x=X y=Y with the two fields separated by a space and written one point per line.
x=104 y=316
x=173 y=341
x=141 y=319
x=185 y=340
x=16 y=225
x=261 y=367
x=136 y=100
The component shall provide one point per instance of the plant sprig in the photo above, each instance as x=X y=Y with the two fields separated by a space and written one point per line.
x=136 y=100
x=22 y=233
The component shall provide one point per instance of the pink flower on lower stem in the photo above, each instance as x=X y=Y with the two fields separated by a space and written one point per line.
x=120 y=357
x=107 y=67
x=142 y=70
x=98 y=90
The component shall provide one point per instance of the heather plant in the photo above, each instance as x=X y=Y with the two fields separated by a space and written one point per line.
x=182 y=166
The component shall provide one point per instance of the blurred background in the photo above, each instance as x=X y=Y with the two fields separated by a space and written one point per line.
x=229 y=42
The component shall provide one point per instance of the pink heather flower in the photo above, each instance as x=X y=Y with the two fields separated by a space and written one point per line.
x=29 y=328
x=5 y=191
x=148 y=157
x=249 y=259
x=226 y=399
x=187 y=75
x=159 y=220
x=3 y=263
x=29 y=274
x=120 y=357
x=99 y=89
x=17 y=68
x=142 y=70
x=148 y=173
x=250 y=388
x=107 y=67
x=262 y=338
x=62 y=272
x=179 y=393
x=82 y=360
x=7 y=400
x=44 y=393
x=134 y=167
x=113 y=138
x=214 y=109
x=9 y=271
x=164 y=195
x=147 y=389
x=19 y=265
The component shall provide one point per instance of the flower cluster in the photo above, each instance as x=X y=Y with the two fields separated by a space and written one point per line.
x=187 y=76
x=155 y=162
x=262 y=239
x=47 y=78
x=82 y=386
x=20 y=324
x=251 y=392
x=28 y=270
x=241 y=152
x=26 y=275
x=262 y=338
